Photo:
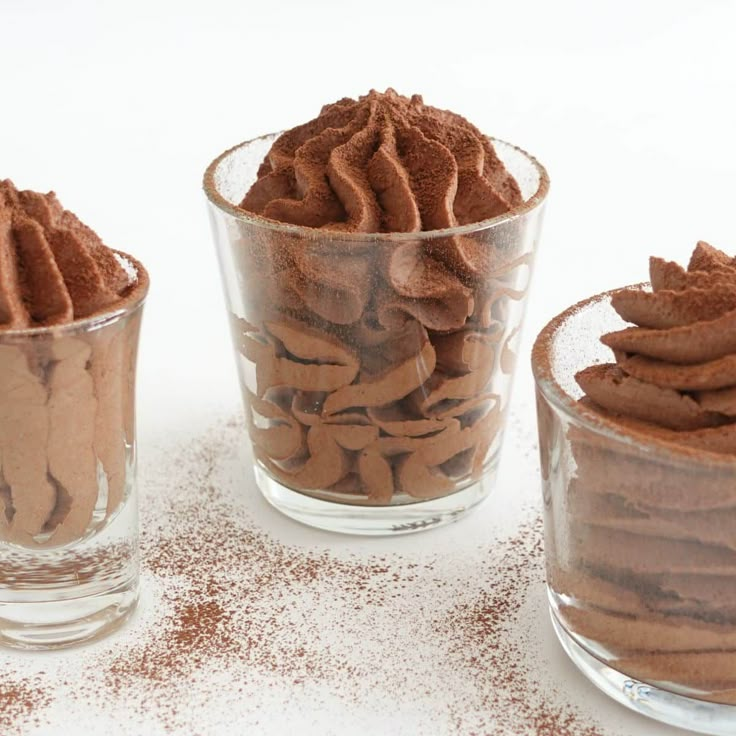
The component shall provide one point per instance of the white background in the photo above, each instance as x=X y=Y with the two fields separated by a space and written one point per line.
x=120 y=106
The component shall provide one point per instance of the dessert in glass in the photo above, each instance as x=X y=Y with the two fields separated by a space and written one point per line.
x=376 y=262
x=638 y=446
x=70 y=313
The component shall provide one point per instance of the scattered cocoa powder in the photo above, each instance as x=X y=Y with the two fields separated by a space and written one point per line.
x=239 y=628
x=20 y=699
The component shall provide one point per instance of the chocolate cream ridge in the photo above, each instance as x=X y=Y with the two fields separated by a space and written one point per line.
x=66 y=395
x=54 y=269
x=379 y=364
x=675 y=372
x=651 y=561
x=382 y=163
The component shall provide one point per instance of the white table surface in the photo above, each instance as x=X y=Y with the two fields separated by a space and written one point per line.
x=120 y=106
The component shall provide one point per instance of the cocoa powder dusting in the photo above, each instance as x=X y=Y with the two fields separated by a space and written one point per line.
x=20 y=700
x=239 y=628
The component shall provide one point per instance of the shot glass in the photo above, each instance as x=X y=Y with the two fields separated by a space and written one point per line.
x=375 y=368
x=68 y=503
x=640 y=540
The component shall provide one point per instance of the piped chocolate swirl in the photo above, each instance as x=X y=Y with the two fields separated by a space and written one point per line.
x=66 y=392
x=53 y=268
x=676 y=369
x=383 y=163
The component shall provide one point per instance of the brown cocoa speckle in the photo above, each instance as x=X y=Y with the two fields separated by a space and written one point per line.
x=20 y=703
x=239 y=626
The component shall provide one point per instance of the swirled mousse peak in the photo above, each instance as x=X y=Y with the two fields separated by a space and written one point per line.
x=675 y=370
x=382 y=163
x=53 y=268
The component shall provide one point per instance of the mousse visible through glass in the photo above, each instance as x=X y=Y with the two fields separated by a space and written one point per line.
x=376 y=326
x=70 y=311
x=640 y=480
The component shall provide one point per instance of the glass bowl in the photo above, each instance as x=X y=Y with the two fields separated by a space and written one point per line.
x=375 y=368
x=640 y=540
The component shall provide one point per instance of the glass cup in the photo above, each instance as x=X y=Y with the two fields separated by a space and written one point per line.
x=640 y=539
x=68 y=502
x=375 y=368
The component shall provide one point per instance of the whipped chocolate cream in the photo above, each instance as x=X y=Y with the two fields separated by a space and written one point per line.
x=382 y=163
x=66 y=394
x=53 y=268
x=647 y=572
x=375 y=366
x=676 y=369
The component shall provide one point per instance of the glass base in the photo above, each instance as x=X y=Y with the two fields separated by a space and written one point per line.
x=54 y=624
x=372 y=520
x=661 y=705
x=59 y=597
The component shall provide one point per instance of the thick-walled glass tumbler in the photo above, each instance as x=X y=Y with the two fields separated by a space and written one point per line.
x=68 y=505
x=640 y=539
x=375 y=368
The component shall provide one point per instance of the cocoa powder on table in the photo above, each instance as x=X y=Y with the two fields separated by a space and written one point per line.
x=20 y=701
x=237 y=626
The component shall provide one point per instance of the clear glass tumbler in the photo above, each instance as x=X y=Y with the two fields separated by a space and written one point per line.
x=640 y=539
x=68 y=502
x=375 y=368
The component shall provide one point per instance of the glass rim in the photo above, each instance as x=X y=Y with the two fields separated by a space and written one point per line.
x=219 y=201
x=130 y=304
x=562 y=401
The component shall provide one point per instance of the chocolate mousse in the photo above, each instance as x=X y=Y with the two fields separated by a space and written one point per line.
x=675 y=371
x=66 y=375
x=382 y=163
x=375 y=364
x=650 y=565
